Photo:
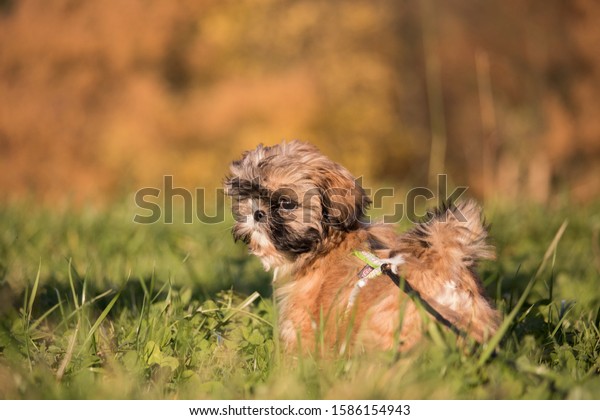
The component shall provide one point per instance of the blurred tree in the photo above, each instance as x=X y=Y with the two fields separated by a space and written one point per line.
x=98 y=100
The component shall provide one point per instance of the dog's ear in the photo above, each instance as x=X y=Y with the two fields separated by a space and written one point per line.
x=343 y=199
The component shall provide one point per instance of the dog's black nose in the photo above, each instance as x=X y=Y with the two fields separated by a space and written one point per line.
x=259 y=215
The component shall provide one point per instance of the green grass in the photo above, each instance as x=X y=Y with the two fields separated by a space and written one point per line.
x=95 y=306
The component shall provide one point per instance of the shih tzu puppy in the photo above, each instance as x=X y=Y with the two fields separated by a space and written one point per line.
x=304 y=216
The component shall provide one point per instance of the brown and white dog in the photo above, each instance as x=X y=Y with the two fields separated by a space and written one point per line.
x=304 y=215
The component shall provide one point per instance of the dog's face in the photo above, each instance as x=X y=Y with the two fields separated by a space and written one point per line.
x=289 y=200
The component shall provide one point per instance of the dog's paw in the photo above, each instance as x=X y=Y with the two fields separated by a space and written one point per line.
x=393 y=263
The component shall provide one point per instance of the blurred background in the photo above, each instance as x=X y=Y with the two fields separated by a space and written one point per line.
x=100 y=99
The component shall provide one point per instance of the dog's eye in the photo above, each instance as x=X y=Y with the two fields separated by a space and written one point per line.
x=286 y=203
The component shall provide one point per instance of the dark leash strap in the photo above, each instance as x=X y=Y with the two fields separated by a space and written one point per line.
x=405 y=286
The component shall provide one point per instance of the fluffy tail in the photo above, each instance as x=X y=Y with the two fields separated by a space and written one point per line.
x=456 y=232
x=441 y=255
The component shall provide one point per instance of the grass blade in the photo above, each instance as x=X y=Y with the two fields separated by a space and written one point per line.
x=36 y=283
x=99 y=321
x=247 y=302
x=491 y=345
x=80 y=309
x=44 y=316
x=68 y=355
x=72 y=284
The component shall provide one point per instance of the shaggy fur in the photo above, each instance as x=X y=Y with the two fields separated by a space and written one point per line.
x=303 y=215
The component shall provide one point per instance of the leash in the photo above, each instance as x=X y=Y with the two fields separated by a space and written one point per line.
x=375 y=267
